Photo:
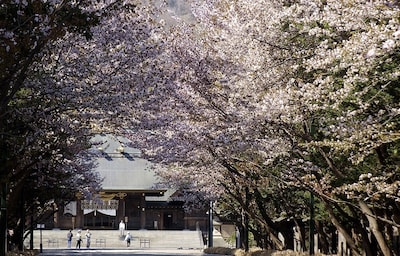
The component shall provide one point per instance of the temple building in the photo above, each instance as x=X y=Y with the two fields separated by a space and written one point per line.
x=129 y=194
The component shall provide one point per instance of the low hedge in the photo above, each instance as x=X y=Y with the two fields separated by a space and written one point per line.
x=238 y=252
x=254 y=252
x=24 y=253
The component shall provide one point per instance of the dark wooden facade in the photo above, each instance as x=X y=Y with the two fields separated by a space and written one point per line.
x=135 y=212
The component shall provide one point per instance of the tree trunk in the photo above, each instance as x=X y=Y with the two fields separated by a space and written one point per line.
x=373 y=225
x=342 y=230
x=245 y=232
x=323 y=238
x=270 y=226
x=3 y=219
x=245 y=219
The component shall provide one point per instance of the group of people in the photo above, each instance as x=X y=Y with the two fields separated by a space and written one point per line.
x=88 y=236
x=128 y=236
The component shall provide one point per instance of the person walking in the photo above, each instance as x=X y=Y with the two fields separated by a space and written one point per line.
x=128 y=239
x=69 y=238
x=78 y=240
x=88 y=236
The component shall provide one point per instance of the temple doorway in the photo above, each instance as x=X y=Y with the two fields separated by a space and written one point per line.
x=168 y=220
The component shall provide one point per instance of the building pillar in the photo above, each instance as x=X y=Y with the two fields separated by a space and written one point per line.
x=78 y=220
x=161 y=224
x=185 y=219
x=56 y=216
x=143 y=212
x=121 y=210
x=79 y=215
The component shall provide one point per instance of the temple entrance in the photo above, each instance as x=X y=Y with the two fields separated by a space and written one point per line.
x=168 y=220
x=99 y=213
x=96 y=219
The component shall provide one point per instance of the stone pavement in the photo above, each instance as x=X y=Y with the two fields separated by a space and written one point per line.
x=130 y=251
x=142 y=239
x=111 y=239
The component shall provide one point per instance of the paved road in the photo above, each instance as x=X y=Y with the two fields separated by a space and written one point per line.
x=113 y=252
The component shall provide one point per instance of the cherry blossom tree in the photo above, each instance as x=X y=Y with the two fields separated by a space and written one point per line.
x=350 y=98
x=26 y=28
x=66 y=73
x=251 y=100
x=207 y=120
x=307 y=88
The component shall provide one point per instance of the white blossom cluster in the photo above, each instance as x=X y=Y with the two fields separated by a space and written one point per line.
x=303 y=93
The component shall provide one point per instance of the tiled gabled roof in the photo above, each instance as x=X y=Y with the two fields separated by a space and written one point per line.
x=121 y=165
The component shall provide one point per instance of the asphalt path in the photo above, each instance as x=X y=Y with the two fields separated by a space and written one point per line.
x=113 y=252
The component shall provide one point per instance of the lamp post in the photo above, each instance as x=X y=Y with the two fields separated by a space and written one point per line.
x=311 y=129
x=311 y=224
x=40 y=227
x=210 y=225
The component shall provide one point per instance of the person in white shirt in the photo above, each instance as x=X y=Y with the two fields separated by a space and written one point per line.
x=121 y=228
x=88 y=236
x=78 y=240
x=128 y=239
